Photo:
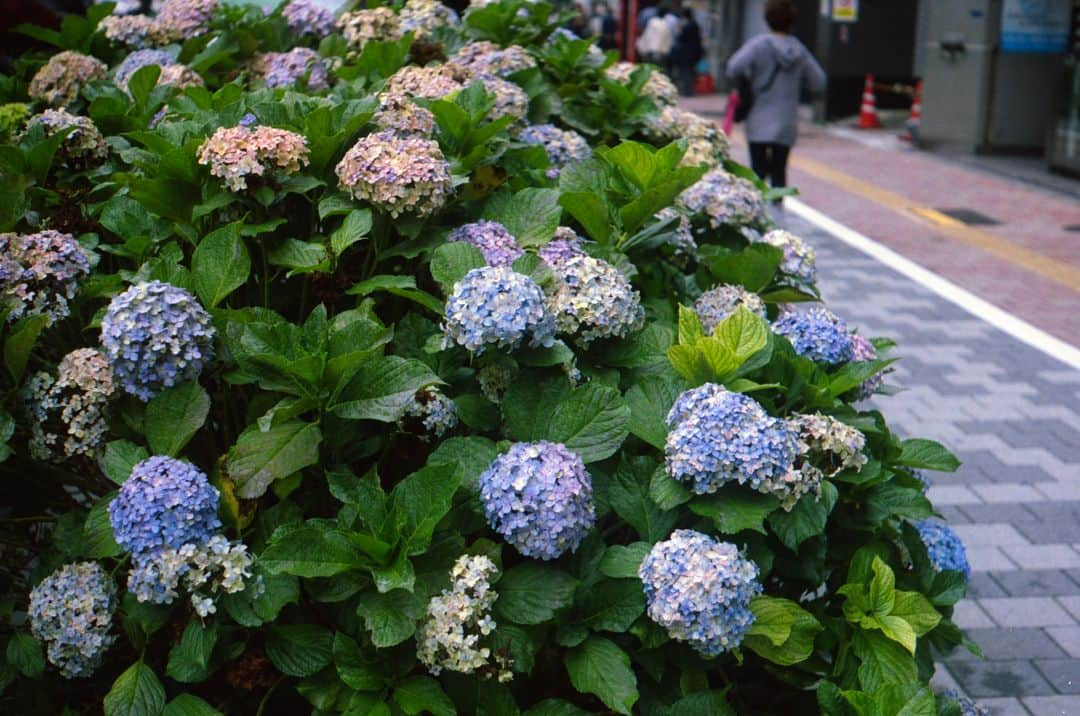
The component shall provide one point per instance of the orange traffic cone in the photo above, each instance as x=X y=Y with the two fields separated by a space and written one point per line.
x=915 y=119
x=868 y=118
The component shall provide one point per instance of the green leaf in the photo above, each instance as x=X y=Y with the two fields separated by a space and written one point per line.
x=24 y=653
x=382 y=387
x=666 y=492
x=628 y=495
x=391 y=617
x=530 y=215
x=783 y=632
x=649 y=400
x=882 y=589
x=189 y=705
x=899 y=631
x=612 y=604
x=532 y=593
x=743 y=333
x=713 y=702
x=189 y=660
x=259 y=458
x=883 y=661
x=917 y=611
x=421 y=695
x=299 y=649
x=20 y=342
x=97 y=535
x=300 y=256
x=622 y=561
x=119 y=458
x=364 y=493
x=404 y=286
x=600 y=667
x=592 y=421
x=591 y=211
x=353 y=668
x=690 y=330
x=220 y=265
x=137 y=692
x=555 y=707
x=805 y=520
x=451 y=261
x=174 y=416
x=421 y=500
x=357 y=226
x=753 y=267
x=473 y=453
x=926 y=455
x=311 y=550
x=734 y=509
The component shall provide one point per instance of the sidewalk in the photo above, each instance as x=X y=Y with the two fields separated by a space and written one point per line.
x=1028 y=264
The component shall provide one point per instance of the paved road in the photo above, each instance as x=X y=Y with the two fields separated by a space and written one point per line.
x=1012 y=414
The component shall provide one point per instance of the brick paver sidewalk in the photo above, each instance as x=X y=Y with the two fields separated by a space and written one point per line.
x=1012 y=414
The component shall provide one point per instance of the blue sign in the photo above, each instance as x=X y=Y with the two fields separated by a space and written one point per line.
x=1035 y=26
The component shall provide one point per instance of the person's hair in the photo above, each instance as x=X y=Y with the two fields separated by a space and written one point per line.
x=688 y=13
x=780 y=15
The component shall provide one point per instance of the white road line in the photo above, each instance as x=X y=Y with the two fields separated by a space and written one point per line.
x=1002 y=320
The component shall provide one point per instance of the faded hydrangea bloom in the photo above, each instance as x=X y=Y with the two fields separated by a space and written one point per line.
x=70 y=413
x=563 y=146
x=830 y=443
x=539 y=497
x=136 y=61
x=83 y=146
x=60 y=80
x=565 y=245
x=716 y=304
x=863 y=350
x=459 y=622
x=495 y=378
x=179 y=20
x=397 y=174
x=725 y=199
x=202 y=569
x=400 y=114
x=487 y=58
x=699 y=590
x=818 y=334
x=71 y=611
x=425 y=16
x=130 y=30
x=798 y=258
x=706 y=142
x=681 y=238
x=510 y=100
x=237 y=153
x=362 y=26
x=657 y=88
x=40 y=273
x=298 y=65
x=180 y=76
x=499 y=247
x=430 y=414
x=430 y=82
x=306 y=17
x=718 y=437
x=945 y=547
x=497 y=307
x=156 y=336
x=593 y=300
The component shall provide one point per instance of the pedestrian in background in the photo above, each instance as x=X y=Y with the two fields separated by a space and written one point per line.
x=687 y=52
x=603 y=26
x=656 y=40
x=579 y=23
x=778 y=68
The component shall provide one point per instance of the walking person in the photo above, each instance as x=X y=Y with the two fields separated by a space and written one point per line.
x=656 y=40
x=604 y=28
x=777 y=68
x=686 y=54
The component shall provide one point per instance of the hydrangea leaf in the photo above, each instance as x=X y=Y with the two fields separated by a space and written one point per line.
x=174 y=416
x=532 y=593
x=220 y=265
x=733 y=510
x=24 y=653
x=357 y=226
x=752 y=268
x=136 y=692
x=353 y=667
x=189 y=705
x=555 y=707
x=421 y=500
x=713 y=702
x=299 y=649
x=622 y=561
x=259 y=458
x=805 y=520
x=611 y=605
x=119 y=458
x=883 y=661
x=649 y=400
x=423 y=694
x=311 y=550
x=451 y=261
x=783 y=632
x=667 y=492
x=189 y=660
x=593 y=422
x=927 y=455
x=390 y=618
x=97 y=534
x=530 y=215
x=404 y=286
x=600 y=667
x=628 y=495
x=473 y=453
x=20 y=341
x=743 y=333
x=381 y=388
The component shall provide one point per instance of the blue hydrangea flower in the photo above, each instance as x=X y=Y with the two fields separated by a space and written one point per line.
x=156 y=336
x=164 y=504
x=798 y=258
x=139 y=59
x=496 y=307
x=719 y=437
x=71 y=611
x=497 y=244
x=563 y=147
x=285 y=69
x=431 y=413
x=967 y=706
x=699 y=590
x=818 y=334
x=565 y=245
x=539 y=497
x=306 y=17
x=945 y=547
x=716 y=304
x=593 y=300
x=724 y=199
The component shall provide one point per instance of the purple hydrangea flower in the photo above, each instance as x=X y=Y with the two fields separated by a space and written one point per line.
x=397 y=174
x=71 y=610
x=499 y=247
x=716 y=304
x=564 y=246
x=138 y=60
x=945 y=547
x=539 y=497
x=40 y=273
x=818 y=334
x=563 y=147
x=724 y=199
x=496 y=307
x=306 y=17
x=285 y=69
x=798 y=258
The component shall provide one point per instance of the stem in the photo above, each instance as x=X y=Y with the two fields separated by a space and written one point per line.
x=266 y=697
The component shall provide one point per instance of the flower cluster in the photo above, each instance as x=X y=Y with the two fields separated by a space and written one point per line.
x=307 y=17
x=425 y=16
x=400 y=114
x=818 y=334
x=699 y=590
x=285 y=69
x=130 y=30
x=680 y=237
x=164 y=504
x=944 y=546
x=236 y=153
x=725 y=199
x=70 y=413
x=40 y=273
x=593 y=300
x=362 y=26
x=565 y=245
x=562 y=146
x=180 y=76
x=179 y=20
x=798 y=258
x=200 y=568
x=487 y=58
x=430 y=410
x=719 y=437
x=539 y=497
x=830 y=441
x=136 y=61
x=430 y=82
x=495 y=378
x=83 y=146
x=863 y=350
x=657 y=87
x=497 y=307
x=499 y=247
x=156 y=336
x=397 y=174
x=60 y=80
x=510 y=100
x=716 y=304
x=71 y=610
x=459 y=619
x=706 y=142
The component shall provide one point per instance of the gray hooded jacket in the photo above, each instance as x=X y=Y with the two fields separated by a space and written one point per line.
x=773 y=117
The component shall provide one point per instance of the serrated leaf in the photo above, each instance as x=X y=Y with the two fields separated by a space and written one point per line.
x=783 y=632
x=600 y=667
x=174 y=416
x=189 y=660
x=136 y=692
x=421 y=695
x=612 y=604
x=311 y=550
x=119 y=458
x=24 y=653
x=356 y=227
x=382 y=387
x=649 y=400
x=628 y=495
x=259 y=457
x=734 y=509
x=451 y=261
x=927 y=455
x=220 y=265
x=189 y=705
x=390 y=618
x=532 y=593
x=299 y=649
x=352 y=667
x=98 y=541
x=622 y=561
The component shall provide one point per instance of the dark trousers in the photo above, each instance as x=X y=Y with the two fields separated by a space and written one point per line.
x=769 y=161
x=685 y=75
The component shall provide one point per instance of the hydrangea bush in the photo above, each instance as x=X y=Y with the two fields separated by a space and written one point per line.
x=396 y=361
